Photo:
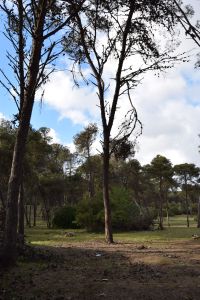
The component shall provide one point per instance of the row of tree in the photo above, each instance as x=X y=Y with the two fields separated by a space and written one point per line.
x=39 y=31
x=54 y=177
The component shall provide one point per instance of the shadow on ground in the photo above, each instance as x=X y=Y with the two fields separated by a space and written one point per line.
x=97 y=271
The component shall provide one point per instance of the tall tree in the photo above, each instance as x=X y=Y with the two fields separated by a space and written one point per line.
x=83 y=142
x=31 y=29
x=183 y=14
x=187 y=174
x=122 y=31
x=161 y=172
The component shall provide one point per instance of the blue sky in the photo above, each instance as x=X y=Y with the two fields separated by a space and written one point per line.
x=43 y=115
x=168 y=106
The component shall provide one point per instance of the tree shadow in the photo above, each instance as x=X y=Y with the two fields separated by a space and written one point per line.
x=78 y=272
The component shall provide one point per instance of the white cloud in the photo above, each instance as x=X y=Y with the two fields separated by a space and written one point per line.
x=77 y=104
x=2 y=117
x=53 y=134
x=169 y=110
x=168 y=106
x=71 y=147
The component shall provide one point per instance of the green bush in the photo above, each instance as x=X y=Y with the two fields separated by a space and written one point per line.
x=194 y=208
x=64 y=217
x=175 y=209
x=126 y=214
x=90 y=213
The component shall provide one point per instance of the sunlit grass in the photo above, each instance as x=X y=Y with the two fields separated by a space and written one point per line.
x=41 y=235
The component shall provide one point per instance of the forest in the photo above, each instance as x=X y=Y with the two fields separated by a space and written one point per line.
x=95 y=218
x=65 y=188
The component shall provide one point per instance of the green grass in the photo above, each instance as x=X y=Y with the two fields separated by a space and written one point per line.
x=40 y=235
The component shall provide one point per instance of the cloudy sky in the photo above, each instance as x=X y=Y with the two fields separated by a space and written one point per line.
x=168 y=107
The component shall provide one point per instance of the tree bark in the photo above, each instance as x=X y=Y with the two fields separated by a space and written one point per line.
x=187 y=204
x=106 y=198
x=10 y=235
x=21 y=213
x=2 y=200
x=161 y=215
x=168 y=224
x=26 y=215
x=30 y=214
x=34 y=211
x=198 y=216
x=161 y=206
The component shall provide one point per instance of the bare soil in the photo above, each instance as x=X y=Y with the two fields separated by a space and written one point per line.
x=95 y=270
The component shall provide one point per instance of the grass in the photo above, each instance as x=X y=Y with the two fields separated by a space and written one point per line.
x=40 y=235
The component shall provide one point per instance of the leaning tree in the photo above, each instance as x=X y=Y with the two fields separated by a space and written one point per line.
x=32 y=28
x=117 y=41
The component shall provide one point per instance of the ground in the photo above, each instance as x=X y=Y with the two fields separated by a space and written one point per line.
x=149 y=265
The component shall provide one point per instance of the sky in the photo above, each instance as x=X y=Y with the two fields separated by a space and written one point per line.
x=168 y=107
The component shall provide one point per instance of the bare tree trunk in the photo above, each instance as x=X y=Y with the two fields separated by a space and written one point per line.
x=161 y=207
x=168 y=224
x=30 y=214
x=34 y=211
x=161 y=215
x=2 y=212
x=198 y=216
x=167 y=205
x=187 y=205
x=26 y=216
x=21 y=213
x=10 y=234
x=106 y=198
x=2 y=200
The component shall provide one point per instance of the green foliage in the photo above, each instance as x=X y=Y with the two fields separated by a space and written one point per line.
x=90 y=213
x=175 y=209
x=64 y=217
x=126 y=214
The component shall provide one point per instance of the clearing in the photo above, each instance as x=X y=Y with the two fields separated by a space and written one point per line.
x=140 y=265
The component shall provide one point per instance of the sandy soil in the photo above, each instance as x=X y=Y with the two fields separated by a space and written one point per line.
x=95 y=270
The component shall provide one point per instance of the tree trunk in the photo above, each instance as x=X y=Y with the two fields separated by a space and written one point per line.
x=187 y=205
x=10 y=234
x=34 y=211
x=2 y=200
x=198 y=216
x=168 y=224
x=26 y=215
x=106 y=198
x=30 y=214
x=160 y=226
x=21 y=213
x=167 y=205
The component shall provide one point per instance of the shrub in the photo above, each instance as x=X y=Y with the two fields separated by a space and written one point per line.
x=64 y=217
x=90 y=213
x=175 y=209
x=126 y=214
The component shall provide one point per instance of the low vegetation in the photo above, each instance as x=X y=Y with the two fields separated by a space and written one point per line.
x=77 y=264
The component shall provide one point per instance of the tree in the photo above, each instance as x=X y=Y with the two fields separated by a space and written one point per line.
x=183 y=15
x=128 y=35
x=31 y=30
x=83 y=142
x=161 y=172
x=7 y=137
x=198 y=215
x=186 y=173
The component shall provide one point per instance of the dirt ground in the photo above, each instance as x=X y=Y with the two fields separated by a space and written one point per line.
x=95 y=270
